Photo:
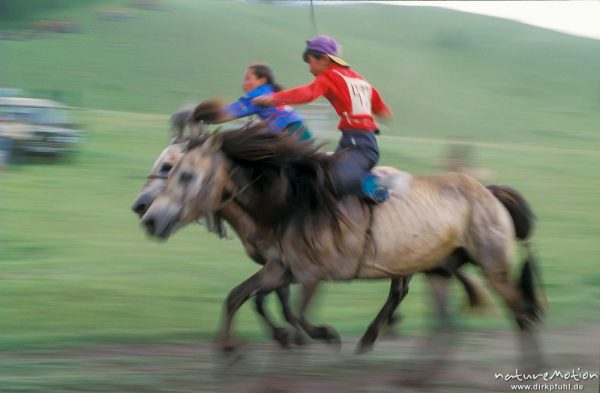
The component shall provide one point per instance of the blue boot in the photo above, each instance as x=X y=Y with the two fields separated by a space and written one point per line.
x=372 y=191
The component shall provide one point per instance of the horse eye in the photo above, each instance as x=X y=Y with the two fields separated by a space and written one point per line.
x=185 y=178
x=166 y=167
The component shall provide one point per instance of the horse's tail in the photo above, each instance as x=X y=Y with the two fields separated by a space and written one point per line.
x=523 y=220
x=478 y=300
x=530 y=275
x=518 y=208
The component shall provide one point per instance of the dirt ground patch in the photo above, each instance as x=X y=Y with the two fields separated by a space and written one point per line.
x=466 y=363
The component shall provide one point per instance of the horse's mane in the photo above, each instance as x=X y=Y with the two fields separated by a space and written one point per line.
x=288 y=175
x=197 y=141
x=215 y=224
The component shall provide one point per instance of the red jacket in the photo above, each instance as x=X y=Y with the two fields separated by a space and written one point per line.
x=353 y=98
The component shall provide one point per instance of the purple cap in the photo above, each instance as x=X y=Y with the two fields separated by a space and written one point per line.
x=328 y=46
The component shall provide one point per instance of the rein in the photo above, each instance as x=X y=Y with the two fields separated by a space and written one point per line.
x=211 y=180
x=163 y=177
x=235 y=195
x=368 y=240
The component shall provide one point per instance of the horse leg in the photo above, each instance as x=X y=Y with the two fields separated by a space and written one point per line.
x=284 y=298
x=268 y=278
x=398 y=290
x=401 y=291
x=439 y=282
x=323 y=332
x=450 y=267
x=477 y=299
x=434 y=353
x=451 y=264
x=279 y=334
x=496 y=271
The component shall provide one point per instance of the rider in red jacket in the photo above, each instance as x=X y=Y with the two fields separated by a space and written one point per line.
x=356 y=102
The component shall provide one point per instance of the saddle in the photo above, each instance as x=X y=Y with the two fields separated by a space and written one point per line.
x=396 y=181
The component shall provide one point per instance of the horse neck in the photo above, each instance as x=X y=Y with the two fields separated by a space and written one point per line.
x=246 y=201
x=239 y=220
x=237 y=212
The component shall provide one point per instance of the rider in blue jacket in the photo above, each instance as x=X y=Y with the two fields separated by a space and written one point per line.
x=259 y=81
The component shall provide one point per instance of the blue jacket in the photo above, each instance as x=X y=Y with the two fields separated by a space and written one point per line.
x=277 y=117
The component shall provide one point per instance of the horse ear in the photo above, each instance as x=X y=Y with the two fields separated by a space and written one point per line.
x=181 y=118
x=178 y=138
x=215 y=142
x=197 y=129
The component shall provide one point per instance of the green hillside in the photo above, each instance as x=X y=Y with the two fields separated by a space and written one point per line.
x=19 y=13
x=444 y=73
x=74 y=265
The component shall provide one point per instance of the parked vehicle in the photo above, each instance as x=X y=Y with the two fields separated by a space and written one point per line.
x=37 y=126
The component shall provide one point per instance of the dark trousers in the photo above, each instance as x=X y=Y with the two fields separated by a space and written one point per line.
x=357 y=153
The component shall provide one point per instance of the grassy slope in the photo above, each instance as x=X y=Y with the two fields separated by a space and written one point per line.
x=75 y=266
x=16 y=14
x=444 y=73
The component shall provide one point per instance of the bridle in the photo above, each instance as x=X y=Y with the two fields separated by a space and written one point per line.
x=235 y=195
x=211 y=180
x=159 y=176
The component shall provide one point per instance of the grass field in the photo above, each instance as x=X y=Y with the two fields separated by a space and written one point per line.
x=75 y=268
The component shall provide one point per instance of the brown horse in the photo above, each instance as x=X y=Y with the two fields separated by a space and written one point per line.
x=155 y=183
x=245 y=227
x=310 y=224
x=324 y=237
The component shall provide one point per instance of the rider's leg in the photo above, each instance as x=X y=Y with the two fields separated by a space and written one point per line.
x=357 y=153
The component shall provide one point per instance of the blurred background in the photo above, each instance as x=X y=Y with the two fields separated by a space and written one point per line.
x=88 y=303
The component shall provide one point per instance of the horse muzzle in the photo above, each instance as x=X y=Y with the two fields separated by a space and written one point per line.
x=147 y=196
x=142 y=204
x=160 y=224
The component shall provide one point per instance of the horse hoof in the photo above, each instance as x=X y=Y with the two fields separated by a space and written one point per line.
x=282 y=336
x=389 y=330
x=299 y=338
x=336 y=343
x=394 y=320
x=363 y=348
x=227 y=347
x=330 y=336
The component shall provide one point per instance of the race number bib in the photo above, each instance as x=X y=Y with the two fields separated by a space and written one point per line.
x=360 y=95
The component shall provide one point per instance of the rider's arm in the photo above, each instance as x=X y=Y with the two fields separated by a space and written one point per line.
x=240 y=108
x=379 y=107
x=302 y=94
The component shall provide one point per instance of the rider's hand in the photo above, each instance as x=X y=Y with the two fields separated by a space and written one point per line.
x=209 y=111
x=263 y=101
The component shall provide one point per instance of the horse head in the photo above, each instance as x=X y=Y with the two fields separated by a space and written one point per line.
x=157 y=179
x=194 y=188
x=265 y=172
x=169 y=157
